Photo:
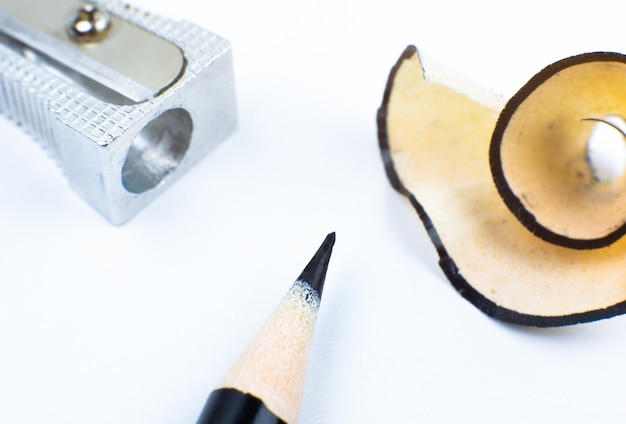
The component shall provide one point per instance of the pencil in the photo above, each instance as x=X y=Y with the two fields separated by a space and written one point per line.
x=266 y=384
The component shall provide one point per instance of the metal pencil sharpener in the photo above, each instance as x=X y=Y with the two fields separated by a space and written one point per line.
x=124 y=100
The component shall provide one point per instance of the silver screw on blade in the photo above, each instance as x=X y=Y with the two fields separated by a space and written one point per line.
x=89 y=25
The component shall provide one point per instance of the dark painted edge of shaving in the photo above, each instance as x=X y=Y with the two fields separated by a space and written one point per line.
x=446 y=262
x=513 y=202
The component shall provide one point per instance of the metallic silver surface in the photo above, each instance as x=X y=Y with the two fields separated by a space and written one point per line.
x=90 y=24
x=131 y=60
x=118 y=137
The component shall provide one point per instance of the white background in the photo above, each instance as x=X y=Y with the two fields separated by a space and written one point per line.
x=137 y=324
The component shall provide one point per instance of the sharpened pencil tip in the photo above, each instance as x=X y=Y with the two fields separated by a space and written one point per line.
x=315 y=271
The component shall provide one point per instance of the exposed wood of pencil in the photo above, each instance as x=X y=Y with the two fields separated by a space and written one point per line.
x=273 y=367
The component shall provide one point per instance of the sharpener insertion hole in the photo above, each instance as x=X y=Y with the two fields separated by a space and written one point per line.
x=157 y=150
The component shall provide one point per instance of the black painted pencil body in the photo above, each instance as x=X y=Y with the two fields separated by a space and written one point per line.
x=265 y=386
x=231 y=406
